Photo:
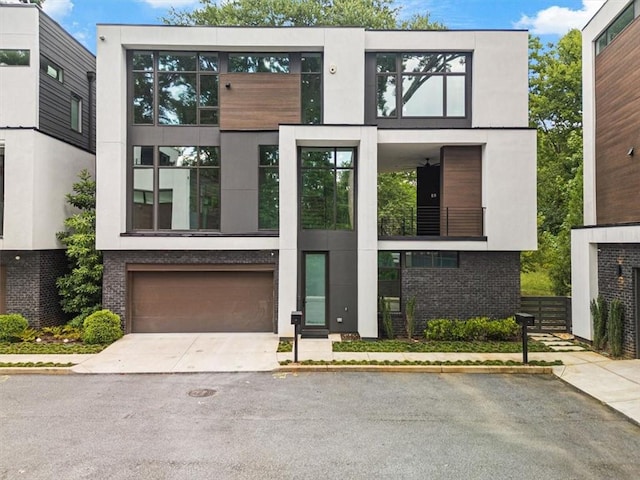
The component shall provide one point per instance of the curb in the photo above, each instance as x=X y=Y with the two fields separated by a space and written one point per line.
x=36 y=371
x=419 y=368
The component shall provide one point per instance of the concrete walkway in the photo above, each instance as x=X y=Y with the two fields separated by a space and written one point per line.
x=616 y=383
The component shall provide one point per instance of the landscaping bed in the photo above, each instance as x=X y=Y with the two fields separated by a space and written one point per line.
x=424 y=346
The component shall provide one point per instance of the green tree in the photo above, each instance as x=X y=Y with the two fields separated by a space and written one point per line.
x=373 y=14
x=555 y=109
x=81 y=289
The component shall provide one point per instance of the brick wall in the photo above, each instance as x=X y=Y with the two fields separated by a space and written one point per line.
x=610 y=286
x=114 y=284
x=484 y=284
x=31 y=285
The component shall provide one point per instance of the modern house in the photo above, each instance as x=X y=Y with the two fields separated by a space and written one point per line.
x=238 y=171
x=47 y=135
x=605 y=252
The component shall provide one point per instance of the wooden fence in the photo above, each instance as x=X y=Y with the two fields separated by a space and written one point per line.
x=553 y=314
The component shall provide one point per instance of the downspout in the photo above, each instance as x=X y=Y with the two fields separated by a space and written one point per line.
x=91 y=78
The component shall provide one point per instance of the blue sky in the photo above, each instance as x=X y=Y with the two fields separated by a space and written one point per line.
x=548 y=19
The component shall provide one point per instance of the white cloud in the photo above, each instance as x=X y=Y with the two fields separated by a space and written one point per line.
x=558 y=20
x=169 y=3
x=57 y=9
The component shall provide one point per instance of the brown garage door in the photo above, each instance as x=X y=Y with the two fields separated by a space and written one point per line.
x=201 y=301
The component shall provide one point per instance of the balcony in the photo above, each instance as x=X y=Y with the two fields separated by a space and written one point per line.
x=459 y=222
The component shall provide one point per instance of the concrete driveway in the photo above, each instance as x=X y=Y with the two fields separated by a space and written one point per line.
x=186 y=352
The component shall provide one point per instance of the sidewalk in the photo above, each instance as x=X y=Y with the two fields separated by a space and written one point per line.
x=615 y=383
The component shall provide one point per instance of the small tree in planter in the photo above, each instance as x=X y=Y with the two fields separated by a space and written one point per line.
x=599 y=313
x=387 y=322
x=410 y=321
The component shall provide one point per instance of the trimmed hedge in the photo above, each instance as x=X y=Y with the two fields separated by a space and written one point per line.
x=12 y=326
x=472 y=330
x=102 y=326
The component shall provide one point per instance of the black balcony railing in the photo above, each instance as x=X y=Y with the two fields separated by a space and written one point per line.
x=434 y=222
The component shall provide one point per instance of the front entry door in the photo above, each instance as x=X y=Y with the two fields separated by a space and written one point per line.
x=315 y=290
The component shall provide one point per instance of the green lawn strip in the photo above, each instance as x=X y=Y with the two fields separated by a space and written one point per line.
x=505 y=363
x=48 y=348
x=34 y=364
x=427 y=347
x=285 y=346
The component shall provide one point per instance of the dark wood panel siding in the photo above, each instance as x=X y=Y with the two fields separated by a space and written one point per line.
x=55 y=97
x=461 y=170
x=258 y=101
x=617 y=82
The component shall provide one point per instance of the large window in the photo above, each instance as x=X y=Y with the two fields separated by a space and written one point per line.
x=268 y=188
x=421 y=85
x=619 y=24
x=327 y=188
x=14 y=57
x=175 y=188
x=186 y=84
x=389 y=279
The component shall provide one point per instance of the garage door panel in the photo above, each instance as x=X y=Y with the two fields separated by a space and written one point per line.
x=202 y=301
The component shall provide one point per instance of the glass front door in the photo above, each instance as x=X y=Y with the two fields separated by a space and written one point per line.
x=315 y=290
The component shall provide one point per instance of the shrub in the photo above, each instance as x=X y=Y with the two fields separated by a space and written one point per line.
x=472 y=330
x=440 y=330
x=503 y=330
x=411 y=316
x=12 y=326
x=387 y=323
x=615 y=335
x=599 y=315
x=102 y=326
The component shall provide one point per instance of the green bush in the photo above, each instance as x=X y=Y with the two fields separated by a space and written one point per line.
x=12 y=326
x=102 y=326
x=410 y=321
x=472 y=330
x=615 y=335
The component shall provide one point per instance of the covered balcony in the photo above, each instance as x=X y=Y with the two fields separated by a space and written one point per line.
x=430 y=190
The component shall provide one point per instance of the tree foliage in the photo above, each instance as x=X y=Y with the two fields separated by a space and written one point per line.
x=373 y=14
x=555 y=109
x=81 y=289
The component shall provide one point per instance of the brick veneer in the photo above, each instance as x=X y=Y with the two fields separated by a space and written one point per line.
x=114 y=283
x=484 y=284
x=610 y=286
x=31 y=285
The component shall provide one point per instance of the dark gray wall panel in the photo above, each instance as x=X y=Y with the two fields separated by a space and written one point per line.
x=239 y=179
x=55 y=97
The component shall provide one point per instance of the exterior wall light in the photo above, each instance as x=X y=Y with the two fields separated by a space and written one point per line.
x=619 y=270
x=630 y=152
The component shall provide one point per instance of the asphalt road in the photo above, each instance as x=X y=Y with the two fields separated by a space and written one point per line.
x=309 y=426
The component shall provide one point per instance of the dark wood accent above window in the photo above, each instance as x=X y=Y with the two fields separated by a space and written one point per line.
x=258 y=101
x=617 y=76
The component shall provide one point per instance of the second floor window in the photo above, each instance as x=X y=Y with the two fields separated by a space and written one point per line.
x=422 y=85
x=268 y=188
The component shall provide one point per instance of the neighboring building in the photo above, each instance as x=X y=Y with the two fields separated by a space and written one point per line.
x=605 y=253
x=237 y=175
x=46 y=137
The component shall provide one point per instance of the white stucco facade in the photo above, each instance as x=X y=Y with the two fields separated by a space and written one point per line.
x=498 y=124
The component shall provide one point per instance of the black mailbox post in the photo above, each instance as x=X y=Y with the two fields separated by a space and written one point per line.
x=296 y=321
x=525 y=320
